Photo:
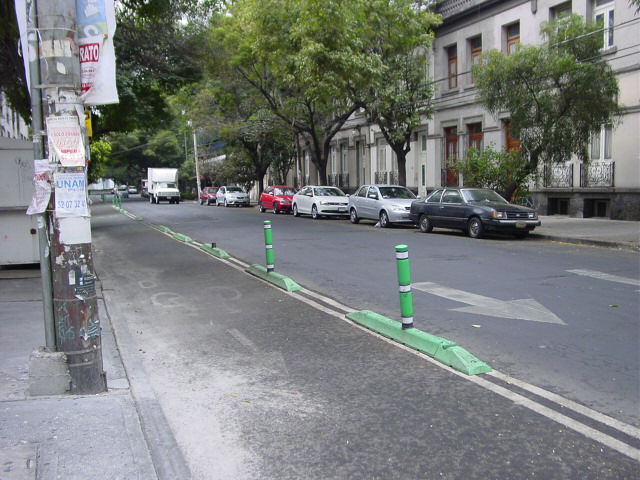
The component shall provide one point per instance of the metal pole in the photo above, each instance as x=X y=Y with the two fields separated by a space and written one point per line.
x=404 y=282
x=268 y=245
x=195 y=154
x=38 y=154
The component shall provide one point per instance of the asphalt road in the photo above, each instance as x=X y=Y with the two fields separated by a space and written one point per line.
x=517 y=305
x=257 y=384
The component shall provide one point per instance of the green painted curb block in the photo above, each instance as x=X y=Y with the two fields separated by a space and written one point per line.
x=216 y=252
x=272 y=277
x=138 y=218
x=124 y=211
x=445 y=351
x=164 y=229
x=182 y=238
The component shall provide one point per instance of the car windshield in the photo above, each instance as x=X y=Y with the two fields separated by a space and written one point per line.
x=329 y=192
x=396 y=192
x=284 y=191
x=166 y=185
x=235 y=190
x=482 y=196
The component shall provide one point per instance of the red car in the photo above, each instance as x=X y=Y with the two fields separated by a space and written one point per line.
x=208 y=195
x=277 y=198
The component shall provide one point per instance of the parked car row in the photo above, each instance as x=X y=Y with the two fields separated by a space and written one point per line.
x=472 y=210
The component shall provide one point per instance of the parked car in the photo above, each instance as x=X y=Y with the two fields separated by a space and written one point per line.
x=208 y=195
x=228 y=195
x=320 y=200
x=131 y=189
x=386 y=203
x=277 y=198
x=474 y=210
x=122 y=191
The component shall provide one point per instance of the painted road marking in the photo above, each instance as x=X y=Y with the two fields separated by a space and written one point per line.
x=606 y=276
x=523 y=309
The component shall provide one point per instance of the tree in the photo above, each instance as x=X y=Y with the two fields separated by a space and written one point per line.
x=400 y=96
x=12 y=73
x=99 y=154
x=496 y=170
x=556 y=93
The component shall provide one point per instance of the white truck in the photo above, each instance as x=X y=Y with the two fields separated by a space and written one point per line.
x=163 y=185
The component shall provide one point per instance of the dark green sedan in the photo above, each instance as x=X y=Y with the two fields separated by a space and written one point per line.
x=473 y=210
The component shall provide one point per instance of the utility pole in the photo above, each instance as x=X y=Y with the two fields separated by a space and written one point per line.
x=74 y=301
x=195 y=154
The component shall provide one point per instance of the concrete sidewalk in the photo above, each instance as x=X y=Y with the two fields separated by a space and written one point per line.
x=101 y=436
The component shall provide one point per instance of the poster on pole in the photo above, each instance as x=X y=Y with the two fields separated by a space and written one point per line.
x=96 y=26
x=66 y=144
x=42 y=184
x=71 y=194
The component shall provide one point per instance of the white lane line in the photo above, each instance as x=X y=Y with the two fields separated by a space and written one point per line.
x=606 y=276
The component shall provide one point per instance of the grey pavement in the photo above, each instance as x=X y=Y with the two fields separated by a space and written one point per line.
x=123 y=433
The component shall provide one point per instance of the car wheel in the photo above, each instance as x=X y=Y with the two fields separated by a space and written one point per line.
x=208 y=202
x=314 y=213
x=177 y=201
x=353 y=216
x=201 y=202
x=225 y=203
x=425 y=224
x=275 y=208
x=475 y=228
x=260 y=207
x=521 y=234
x=295 y=210
x=150 y=198
x=384 y=219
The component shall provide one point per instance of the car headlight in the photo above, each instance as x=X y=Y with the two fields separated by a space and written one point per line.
x=397 y=208
x=498 y=215
x=533 y=215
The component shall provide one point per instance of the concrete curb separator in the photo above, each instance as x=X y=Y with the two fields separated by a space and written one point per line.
x=164 y=229
x=216 y=252
x=445 y=351
x=182 y=238
x=272 y=277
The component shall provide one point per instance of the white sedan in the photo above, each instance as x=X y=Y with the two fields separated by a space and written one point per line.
x=320 y=200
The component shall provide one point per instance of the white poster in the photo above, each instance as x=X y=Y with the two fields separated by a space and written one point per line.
x=96 y=27
x=71 y=194
x=42 y=183
x=66 y=143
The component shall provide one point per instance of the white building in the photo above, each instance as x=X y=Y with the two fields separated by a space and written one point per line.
x=608 y=186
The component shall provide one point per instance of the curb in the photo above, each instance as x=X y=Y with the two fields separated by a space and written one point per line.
x=216 y=252
x=182 y=238
x=584 y=241
x=440 y=349
x=272 y=277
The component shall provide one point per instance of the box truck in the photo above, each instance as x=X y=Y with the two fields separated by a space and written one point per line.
x=162 y=184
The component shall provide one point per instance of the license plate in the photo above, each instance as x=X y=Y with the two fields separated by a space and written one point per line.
x=342 y=209
x=521 y=224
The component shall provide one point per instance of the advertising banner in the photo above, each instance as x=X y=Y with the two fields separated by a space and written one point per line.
x=96 y=27
x=71 y=194
x=66 y=144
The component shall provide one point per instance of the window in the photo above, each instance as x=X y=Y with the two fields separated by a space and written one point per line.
x=511 y=143
x=513 y=37
x=334 y=166
x=560 y=11
x=344 y=160
x=601 y=144
x=451 y=152
x=475 y=46
x=382 y=155
x=452 y=62
x=451 y=196
x=363 y=191
x=475 y=135
x=603 y=14
x=424 y=143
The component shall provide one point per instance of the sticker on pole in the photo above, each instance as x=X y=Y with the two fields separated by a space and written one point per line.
x=66 y=145
x=42 y=183
x=71 y=195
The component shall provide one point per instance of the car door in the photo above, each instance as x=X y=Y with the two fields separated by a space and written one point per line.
x=304 y=200
x=369 y=203
x=267 y=200
x=453 y=209
x=357 y=200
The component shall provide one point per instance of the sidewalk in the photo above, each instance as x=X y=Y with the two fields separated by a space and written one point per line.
x=101 y=436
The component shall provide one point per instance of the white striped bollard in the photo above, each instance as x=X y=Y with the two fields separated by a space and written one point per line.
x=268 y=245
x=404 y=286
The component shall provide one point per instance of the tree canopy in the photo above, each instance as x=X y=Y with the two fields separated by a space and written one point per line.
x=556 y=94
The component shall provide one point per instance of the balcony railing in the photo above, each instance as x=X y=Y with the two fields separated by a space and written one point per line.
x=381 y=177
x=395 y=178
x=597 y=174
x=558 y=176
x=333 y=179
x=343 y=180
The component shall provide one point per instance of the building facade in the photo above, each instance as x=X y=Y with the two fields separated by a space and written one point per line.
x=607 y=186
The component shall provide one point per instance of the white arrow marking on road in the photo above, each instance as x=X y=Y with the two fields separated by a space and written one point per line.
x=524 y=309
x=605 y=276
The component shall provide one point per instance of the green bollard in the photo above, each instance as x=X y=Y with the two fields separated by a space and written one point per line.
x=103 y=199
x=268 y=245
x=404 y=282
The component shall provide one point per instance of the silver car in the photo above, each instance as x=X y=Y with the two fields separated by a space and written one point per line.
x=319 y=201
x=227 y=195
x=387 y=204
